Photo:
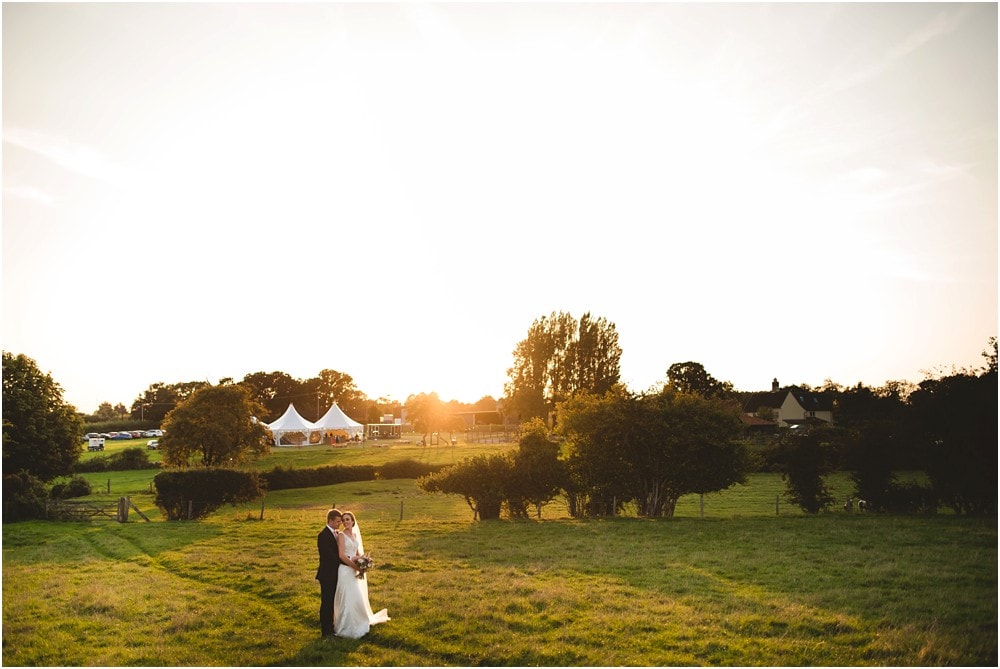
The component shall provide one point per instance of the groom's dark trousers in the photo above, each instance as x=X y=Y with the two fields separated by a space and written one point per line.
x=329 y=566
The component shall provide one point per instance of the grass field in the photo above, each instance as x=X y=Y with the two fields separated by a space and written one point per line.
x=741 y=586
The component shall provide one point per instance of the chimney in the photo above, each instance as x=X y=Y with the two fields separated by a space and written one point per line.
x=774 y=385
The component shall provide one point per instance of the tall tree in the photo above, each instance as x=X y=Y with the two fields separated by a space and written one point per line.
x=275 y=391
x=559 y=358
x=334 y=386
x=651 y=449
x=957 y=421
x=429 y=414
x=872 y=439
x=41 y=432
x=595 y=356
x=160 y=398
x=692 y=378
x=105 y=411
x=806 y=459
x=217 y=423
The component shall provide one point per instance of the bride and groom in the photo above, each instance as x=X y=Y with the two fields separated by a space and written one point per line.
x=344 y=609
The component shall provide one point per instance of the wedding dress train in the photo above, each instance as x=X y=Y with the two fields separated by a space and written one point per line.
x=352 y=614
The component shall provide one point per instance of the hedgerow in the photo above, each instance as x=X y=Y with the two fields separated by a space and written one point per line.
x=194 y=493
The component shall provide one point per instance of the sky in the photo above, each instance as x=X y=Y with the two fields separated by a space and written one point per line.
x=397 y=191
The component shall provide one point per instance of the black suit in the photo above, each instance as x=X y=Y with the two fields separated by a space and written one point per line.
x=329 y=566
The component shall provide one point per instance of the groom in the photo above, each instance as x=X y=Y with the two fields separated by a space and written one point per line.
x=329 y=565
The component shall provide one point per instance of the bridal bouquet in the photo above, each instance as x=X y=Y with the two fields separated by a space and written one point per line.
x=364 y=563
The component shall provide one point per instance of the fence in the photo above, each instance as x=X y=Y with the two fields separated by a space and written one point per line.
x=492 y=434
x=75 y=510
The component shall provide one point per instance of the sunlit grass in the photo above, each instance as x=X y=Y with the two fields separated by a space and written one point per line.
x=745 y=589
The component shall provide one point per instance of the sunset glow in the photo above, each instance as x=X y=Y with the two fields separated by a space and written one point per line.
x=396 y=191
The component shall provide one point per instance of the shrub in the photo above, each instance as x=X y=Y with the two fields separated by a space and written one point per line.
x=131 y=459
x=805 y=459
x=481 y=480
x=23 y=497
x=195 y=493
x=537 y=475
x=96 y=464
x=910 y=498
x=127 y=460
x=407 y=469
x=280 y=478
x=76 y=487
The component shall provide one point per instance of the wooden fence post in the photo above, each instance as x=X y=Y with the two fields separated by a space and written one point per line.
x=136 y=509
x=109 y=486
x=776 y=498
x=262 y=507
x=400 y=510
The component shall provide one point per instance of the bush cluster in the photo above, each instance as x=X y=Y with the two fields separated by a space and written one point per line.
x=530 y=477
x=126 y=460
x=195 y=493
x=909 y=498
x=76 y=487
x=406 y=469
x=281 y=478
x=23 y=497
x=198 y=492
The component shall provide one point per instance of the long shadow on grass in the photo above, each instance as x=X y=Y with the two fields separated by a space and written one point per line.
x=58 y=543
x=833 y=579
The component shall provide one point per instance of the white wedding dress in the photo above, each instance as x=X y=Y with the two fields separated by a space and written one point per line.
x=352 y=614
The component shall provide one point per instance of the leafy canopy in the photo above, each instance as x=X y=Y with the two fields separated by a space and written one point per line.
x=217 y=423
x=41 y=432
x=649 y=449
x=559 y=358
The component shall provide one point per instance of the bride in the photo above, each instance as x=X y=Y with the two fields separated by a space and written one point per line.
x=352 y=614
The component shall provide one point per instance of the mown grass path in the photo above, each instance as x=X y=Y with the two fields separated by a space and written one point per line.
x=834 y=589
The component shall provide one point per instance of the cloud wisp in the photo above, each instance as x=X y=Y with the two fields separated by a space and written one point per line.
x=72 y=156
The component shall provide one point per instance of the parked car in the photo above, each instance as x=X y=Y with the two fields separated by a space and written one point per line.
x=122 y=435
x=153 y=444
x=90 y=435
x=153 y=433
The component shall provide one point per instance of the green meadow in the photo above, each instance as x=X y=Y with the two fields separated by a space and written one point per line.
x=732 y=580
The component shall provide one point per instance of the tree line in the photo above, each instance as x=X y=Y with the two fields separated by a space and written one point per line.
x=616 y=446
x=274 y=391
x=645 y=450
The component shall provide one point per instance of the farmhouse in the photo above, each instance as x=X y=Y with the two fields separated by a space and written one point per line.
x=788 y=407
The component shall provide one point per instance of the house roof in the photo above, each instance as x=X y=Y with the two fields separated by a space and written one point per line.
x=811 y=401
x=754 y=421
x=811 y=420
x=773 y=400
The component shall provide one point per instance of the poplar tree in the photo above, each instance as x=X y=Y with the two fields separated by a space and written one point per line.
x=560 y=358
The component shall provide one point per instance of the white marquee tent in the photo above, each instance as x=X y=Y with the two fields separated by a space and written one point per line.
x=289 y=423
x=336 y=419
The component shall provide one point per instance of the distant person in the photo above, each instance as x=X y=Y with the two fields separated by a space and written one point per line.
x=329 y=569
x=352 y=613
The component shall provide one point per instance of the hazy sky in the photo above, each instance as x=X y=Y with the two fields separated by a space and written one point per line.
x=396 y=192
